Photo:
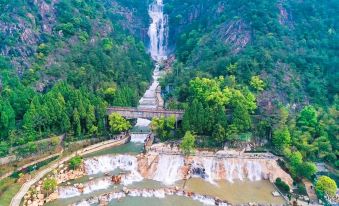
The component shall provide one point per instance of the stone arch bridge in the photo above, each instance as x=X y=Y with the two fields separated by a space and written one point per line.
x=134 y=112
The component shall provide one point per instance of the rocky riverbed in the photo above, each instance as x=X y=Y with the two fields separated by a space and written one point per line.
x=163 y=163
x=38 y=196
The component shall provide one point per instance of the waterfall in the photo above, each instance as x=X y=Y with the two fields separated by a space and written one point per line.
x=83 y=203
x=241 y=169
x=211 y=169
x=97 y=185
x=254 y=172
x=109 y=163
x=234 y=170
x=138 y=138
x=66 y=192
x=150 y=99
x=158 y=34
x=158 y=30
x=168 y=169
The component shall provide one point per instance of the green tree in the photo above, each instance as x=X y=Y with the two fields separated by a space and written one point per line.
x=118 y=123
x=76 y=122
x=295 y=160
x=4 y=147
x=209 y=90
x=163 y=126
x=219 y=134
x=308 y=117
x=188 y=143
x=307 y=169
x=55 y=140
x=7 y=118
x=257 y=83
x=241 y=118
x=90 y=118
x=50 y=185
x=75 y=162
x=281 y=139
x=282 y=185
x=326 y=185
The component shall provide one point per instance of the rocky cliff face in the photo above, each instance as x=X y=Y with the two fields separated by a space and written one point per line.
x=24 y=25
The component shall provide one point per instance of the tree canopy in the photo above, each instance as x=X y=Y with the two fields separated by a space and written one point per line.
x=118 y=123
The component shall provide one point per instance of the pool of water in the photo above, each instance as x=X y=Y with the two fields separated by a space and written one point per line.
x=238 y=192
x=167 y=201
x=129 y=148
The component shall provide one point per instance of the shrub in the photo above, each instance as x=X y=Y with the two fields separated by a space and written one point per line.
x=283 y=187
x=75 y=162
x=326 y=185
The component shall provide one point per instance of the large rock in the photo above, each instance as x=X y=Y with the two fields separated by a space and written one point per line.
x=41 y=196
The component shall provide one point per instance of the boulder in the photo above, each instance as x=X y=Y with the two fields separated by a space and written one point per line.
x=41 y=196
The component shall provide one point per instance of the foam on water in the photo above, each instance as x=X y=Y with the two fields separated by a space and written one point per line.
x=109 y=163
x=138 y=138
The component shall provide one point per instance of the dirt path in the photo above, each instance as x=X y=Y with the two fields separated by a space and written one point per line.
x=310 y=191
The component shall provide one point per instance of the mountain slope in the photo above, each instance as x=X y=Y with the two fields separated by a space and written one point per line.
x=292 y=45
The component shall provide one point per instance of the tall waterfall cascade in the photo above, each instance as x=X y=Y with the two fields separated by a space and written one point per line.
x=158 y=35
x=158 y=31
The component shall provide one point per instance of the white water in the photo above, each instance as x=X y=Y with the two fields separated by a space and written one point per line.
x=83 y=203
x=109 y=163
x=168 y=169
x=158 y=35
x=150 y=100
x=97 y=185
x=138 y=138
x=72 y=191
x=254 y=171
x=158 y=30
x=142 y=122
x=204 y=200
x=149 y=193
x=67 y=192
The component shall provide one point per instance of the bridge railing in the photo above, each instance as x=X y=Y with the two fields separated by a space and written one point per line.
x=145 y=110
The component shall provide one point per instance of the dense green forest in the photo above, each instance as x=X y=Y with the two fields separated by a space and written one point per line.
x=258 y=70
x=63 y=62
